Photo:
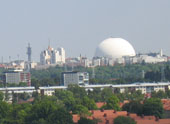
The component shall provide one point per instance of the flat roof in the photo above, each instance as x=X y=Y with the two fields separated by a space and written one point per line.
x=90 y=86
x=17 y=88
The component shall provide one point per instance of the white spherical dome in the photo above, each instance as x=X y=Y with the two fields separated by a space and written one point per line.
x=115 y=48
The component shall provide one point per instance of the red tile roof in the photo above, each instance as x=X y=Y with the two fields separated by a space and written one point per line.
x=109 y=115
x=100 y=104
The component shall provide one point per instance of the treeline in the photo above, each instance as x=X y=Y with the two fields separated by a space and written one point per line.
x=117 y=74
x=58 y=109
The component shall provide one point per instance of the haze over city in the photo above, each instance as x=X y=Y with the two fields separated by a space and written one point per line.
x=79 y=26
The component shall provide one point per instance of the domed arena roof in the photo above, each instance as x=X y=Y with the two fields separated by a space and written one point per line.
x=114 y=48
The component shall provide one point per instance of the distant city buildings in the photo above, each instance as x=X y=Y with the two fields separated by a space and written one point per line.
x=52 y=56
x=79 y=78
x=110 y=52
x=151 y=58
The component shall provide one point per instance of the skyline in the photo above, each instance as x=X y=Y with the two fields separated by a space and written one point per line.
x=79 y=27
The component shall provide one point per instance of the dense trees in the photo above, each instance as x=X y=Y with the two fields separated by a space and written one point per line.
x=161 y=94
x=86 y=121
x=75 y=99
x=57 y=109
x=133 y=107
x=112 y=103
x=151 y=106
x=48 y=110
x=118 y=74
x=124 y=120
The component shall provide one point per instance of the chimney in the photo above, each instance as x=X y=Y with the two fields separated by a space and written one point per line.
x=105 y=115
x=102 y=110
x=157 y=119
x=142 y=116
x=107 y=121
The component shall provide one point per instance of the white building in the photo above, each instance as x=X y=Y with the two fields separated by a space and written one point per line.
x=80 y=78
x=145 y=88
x=52 y=56
x=17 y=76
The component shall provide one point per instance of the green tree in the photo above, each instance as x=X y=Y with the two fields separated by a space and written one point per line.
x=23 y=96
x=133 y=107
x=136 y=95
x=60 y=116
x=95 y=94
x=89 y=103
x=160 y=94
x=1 y=96
x=77 y=91
x=23 y=84
x=41 y=110
x=17 y=114
x=87 y=121
x=153 y=106
x=4 y=110
x=124 y=120
x=67 y=98
x=106 y=93
x=81 y=110
x=112 y=103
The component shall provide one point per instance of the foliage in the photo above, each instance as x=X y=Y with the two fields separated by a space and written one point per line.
x=81 y=110
x=77 y=91
x=118 y=74
x=124 y=120
x=133 y=107
x=89 y=103
x=60 y=116
x=106 y=93
x=153 y=106
x=112 y=103
x=42 y=110
x=4 y=109
x=67 y=98
x=95 y=94
x=153 y=76
x=160 y=94
x=86 y=121
x=1 y=96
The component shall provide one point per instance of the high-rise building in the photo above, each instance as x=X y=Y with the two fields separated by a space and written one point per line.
x=52 y=56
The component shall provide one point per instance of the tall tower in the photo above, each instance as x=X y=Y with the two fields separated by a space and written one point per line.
x=161 y=52
x=29 y=57
x=29 y=52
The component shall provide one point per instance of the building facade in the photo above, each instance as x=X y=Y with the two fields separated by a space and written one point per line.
x=52 y=56
x=79 y=78
x=17 y=76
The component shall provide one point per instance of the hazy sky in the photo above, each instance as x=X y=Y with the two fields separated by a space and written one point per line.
x=80 y=25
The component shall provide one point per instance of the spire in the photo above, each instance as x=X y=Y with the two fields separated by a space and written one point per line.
x=49 y=45
x=161 y=52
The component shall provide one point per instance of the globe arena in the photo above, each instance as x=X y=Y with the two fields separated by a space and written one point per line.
x=114 y=48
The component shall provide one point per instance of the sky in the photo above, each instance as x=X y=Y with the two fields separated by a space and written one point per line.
x=80 y=25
